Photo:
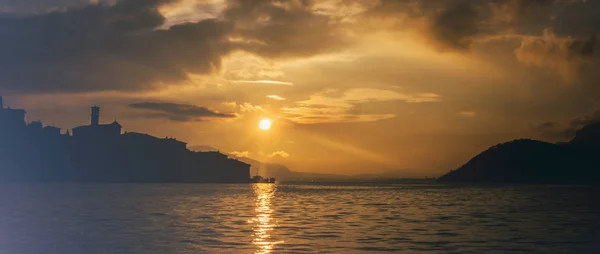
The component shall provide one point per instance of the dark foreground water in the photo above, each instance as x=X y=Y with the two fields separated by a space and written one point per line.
x=262 y=218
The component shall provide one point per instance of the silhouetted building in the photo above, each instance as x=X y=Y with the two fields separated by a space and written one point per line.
x=11 y=119
x=96 y=130
x=52 y=131
x=146 y=140
x=35 y=126
x=95 y=116
x=99 y=153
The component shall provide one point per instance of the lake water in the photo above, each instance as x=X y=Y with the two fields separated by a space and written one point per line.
x=263 y=218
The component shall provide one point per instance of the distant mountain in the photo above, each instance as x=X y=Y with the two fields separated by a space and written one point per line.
x=532 y=161
x=278 y=171
x=391 y=175
x=284 y=174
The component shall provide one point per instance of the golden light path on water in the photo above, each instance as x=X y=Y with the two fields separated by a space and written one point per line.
x=264 y=223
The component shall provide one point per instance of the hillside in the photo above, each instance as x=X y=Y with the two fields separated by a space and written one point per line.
x=532 y=161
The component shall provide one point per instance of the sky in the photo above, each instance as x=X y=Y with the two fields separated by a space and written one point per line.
x=351 y=86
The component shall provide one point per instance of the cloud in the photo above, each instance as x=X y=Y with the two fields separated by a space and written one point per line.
x=244 y=154
x=178 y=112
x=324 y=107
x=135 y=44
x=30 y=7
x=550 y=130
x=202 y=148
x=106 y=47
x=247 y=107
x=128 y=45
x=458 y=24
x=268 y=82
x=281 y=154
x=559 y=132
x=467 y=113
x=183 y=11
x=280 y=29
x=578 y=122
x=230 y=104
x=565 y=55
x=242 y=66
x=276 y=97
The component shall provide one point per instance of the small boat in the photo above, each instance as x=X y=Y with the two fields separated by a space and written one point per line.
x=260 y=179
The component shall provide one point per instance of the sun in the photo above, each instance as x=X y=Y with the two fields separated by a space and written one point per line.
x=265 y=124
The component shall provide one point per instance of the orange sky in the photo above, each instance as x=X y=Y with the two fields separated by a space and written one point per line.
x=351 y=86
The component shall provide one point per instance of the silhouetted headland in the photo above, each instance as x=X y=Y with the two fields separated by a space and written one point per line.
x=101 y=153
x=532 y=161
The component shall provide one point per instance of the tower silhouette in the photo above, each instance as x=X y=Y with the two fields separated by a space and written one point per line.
x=95 y=115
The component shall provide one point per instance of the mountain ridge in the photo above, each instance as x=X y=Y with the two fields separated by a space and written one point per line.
x=534 y=161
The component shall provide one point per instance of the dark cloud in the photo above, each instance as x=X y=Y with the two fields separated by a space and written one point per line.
x=560 y=132
x=28 y=7
x=579 y=122
x=583 y=47
x=283 y=28
x=125 y=46
x=571 y=58
x=547 y=125
x=577 y=19
x=462 y=22
x=178 y=112
x=106 y=47
x=550 y=130
x=457 y=24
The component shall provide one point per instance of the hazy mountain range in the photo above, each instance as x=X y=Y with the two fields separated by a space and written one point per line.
x=283 y=173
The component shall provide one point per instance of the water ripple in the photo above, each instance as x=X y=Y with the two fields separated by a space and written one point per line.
x=266 y=218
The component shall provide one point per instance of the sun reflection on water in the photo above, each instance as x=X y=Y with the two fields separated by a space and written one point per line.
x=263 y=221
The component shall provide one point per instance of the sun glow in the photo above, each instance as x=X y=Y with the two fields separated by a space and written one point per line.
x=265 y=124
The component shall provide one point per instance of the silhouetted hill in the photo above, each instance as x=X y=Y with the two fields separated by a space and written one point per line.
x=532 y=161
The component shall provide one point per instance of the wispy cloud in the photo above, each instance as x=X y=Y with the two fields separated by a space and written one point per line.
x=231 y=104
x=276 y=97
x=244 y=154
x=560 y=131
x=264 y=81
x=247 y=107
x=325 y=108
x=368 y=94
x=281 y=154
x=178 y=112
x=467 y=113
